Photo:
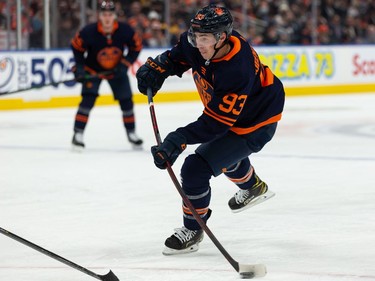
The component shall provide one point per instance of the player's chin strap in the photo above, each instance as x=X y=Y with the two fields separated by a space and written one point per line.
x=216 y=50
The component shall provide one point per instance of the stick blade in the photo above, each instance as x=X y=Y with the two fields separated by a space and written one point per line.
x=248 y=271
x=110 y=276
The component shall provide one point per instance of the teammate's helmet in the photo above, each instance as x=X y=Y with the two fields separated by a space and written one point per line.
x=211 y=19
x=107 y=6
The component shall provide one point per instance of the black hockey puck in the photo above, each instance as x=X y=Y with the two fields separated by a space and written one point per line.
x=247 y=275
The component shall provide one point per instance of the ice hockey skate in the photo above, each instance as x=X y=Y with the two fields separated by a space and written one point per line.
x=246 y=198
x=183 y=241
x=77 y=142
x=135 y=141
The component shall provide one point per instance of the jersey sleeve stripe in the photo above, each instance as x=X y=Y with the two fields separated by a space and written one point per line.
x=266 y=77
x=77 y=43
x=137 y=43
x=214 y=116
x=220 y=116
x=243 y=131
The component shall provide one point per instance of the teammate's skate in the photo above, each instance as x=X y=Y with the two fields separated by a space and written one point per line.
x=134 y=140
x=246 y=198
x=183 y=241
x=77 y=142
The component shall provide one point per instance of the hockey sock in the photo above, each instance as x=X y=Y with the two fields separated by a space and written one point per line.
x=242 y=174
x=195 y=174
x=83 y=112
x=127 y=114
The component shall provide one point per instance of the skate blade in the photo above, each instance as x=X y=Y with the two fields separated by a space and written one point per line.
x=170 y=252
x=77 y=148
x=268 y=195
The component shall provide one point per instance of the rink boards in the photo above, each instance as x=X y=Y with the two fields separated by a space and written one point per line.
x=304 y=70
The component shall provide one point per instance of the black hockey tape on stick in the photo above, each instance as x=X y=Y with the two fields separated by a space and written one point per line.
x=110 y=276
x=245 y=270
x=87 y=77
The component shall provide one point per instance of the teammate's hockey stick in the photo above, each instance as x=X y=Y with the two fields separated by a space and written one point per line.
x=245 y=270
x=110 y=276
x=86 y=77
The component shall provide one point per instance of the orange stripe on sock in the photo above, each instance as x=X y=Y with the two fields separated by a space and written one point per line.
x=130 y=119
x=82 y=118
x=244 y=178
x=200 y=211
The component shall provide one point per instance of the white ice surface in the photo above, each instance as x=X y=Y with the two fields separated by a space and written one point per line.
x=110 y=208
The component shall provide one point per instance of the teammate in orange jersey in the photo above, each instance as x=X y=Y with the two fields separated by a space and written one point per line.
x=243 y=101
x=99 y=48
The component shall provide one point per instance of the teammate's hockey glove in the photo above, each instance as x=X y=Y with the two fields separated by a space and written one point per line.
x=153 y=73
x=79 y=73
x=169 y=150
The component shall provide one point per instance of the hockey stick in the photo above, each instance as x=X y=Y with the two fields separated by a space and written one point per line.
x=245 y=270
x=86 y=77
x=110 y=276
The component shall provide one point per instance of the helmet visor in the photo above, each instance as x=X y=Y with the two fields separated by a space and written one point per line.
x=202 y=39
x=191 y=37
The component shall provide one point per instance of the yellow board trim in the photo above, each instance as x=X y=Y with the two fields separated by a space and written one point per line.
x=69 y=101
x=330 y=89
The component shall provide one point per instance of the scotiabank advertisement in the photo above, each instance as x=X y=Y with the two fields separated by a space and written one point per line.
x=332 y=68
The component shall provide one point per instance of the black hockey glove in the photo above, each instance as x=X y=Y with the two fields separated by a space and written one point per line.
x=153 y=73
x=79 y=73
x=169 y=150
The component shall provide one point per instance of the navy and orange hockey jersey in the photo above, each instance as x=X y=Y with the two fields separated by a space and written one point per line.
x=238 y=92
x=105 y=51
